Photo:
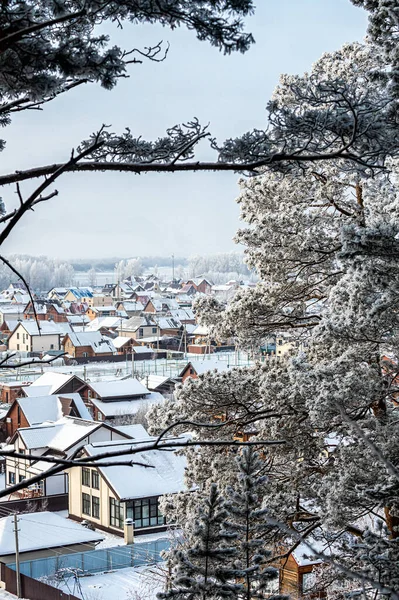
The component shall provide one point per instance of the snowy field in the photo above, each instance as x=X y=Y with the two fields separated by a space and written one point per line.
x=108 y=371
x=140 y=583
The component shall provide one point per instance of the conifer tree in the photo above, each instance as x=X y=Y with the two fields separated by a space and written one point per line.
x=201 y=570
x=249 y=522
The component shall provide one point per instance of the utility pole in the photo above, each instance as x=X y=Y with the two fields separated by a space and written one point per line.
x=132 y=361
x=17 y=567
x=173 y=267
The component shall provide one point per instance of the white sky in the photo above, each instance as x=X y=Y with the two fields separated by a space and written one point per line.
x=110 y=214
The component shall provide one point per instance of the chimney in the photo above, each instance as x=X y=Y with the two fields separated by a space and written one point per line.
x=128 y=531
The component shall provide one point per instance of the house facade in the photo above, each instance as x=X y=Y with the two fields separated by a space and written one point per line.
x=109 y=495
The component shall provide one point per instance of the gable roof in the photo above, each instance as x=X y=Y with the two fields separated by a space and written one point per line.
x=164 y=473
x=127 y=407
x=41 y=530
x=97 y=342
x=53 y=380
x=59 y=436
x=46 y=327
x=204 y=366
x=120 y=388
x=51 y=408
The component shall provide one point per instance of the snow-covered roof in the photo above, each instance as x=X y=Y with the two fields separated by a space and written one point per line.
x=97 y=342
x=120 y=388
x=154 y=381
x=127 y=407
x=136 y=432
x=168 y=323
x=183 y=314
x=49 y=408
x=121 y=340
x=46 y=327
x=131 y=306
x=200 y=330
x=52 y=379
x=210 y=364
x=106 y=322
x=42 y=530
x=163 y=475
x=57 y=436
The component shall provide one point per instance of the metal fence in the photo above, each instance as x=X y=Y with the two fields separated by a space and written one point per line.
x=96 y=561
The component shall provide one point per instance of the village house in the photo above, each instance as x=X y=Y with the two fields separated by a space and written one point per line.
x=195 y=368
x=12 y=312
x=54 y=383
x=93 y=312
x=79 y=295
x=99 y=300
x=44 y=534
x=112 y=399
x=46 y=311
x=106 y=496
x=57 y=293
x=132 y=308
x=160 y=383
x=59 y=438
x=9 y=390
x=33 y=410
x=168 y=326
x=88 y=345
x=138 y=327
x=161 y=305
x=184 y=315
x=202 y=286
x=26 y=337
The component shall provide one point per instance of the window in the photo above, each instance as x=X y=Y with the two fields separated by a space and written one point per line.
x=145 y=513
x=86 y=477
x=51 y=346
x=115 y=513
x=17 y=346
x=86 y=504
x=21 y=478
x=85 y=354
x=100 y=416
x=154 y=330
x=141 y=332
x=17 y=336
x=95 y=507
x=11 y=477
x=95 y=480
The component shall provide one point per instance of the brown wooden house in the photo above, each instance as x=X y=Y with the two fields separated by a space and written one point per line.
x=88 y=344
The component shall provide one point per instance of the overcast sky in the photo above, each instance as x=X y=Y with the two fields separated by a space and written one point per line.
x=111 y=214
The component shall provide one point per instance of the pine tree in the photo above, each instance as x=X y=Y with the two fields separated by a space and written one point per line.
x=201 y=570
x=250 y=523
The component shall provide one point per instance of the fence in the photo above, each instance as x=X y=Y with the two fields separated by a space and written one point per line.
x=96 y=561
x=31 y=588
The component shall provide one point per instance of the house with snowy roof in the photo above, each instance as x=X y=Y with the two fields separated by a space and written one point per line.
x=54 y=383
x=106 y=496
x=93 y=312
x=131 y=308
x=138 y=327
x=60 y=439
x=108 y=400
x=44 y=534
x=195 y=368
x=80 y=295
x=27 y=337
x=46 y=310
x=29 y=411
x=88 y=344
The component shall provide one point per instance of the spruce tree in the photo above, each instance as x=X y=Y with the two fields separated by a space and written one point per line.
x=201 y=570
x=248 y=521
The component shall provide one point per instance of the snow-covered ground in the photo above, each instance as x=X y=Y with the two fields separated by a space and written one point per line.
x=140 y=583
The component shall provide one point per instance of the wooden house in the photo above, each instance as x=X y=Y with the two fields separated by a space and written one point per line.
x=87 y=345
